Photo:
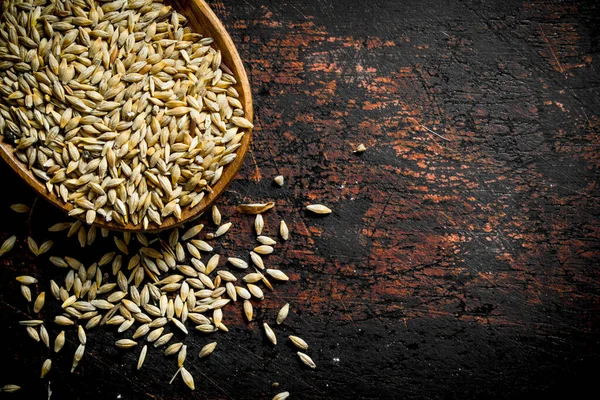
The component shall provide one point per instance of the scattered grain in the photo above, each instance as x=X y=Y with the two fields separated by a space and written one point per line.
x=269 y=333
x=283 y=313
x=306 y=359
x=207 y=349
x=318 y=209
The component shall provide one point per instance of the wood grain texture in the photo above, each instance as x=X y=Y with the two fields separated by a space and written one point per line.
x=456 y=264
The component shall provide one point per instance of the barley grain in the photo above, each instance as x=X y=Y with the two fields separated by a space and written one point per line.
x=279 y=180
x=62 y=320
x=277 y=274
x=361 y=147
x=187 y=378
x=81 y=335
x=318 y=209
x=283 y=230
x=142 y=357
x=298 y=342
x=44 y=336
x=39 y=302
x=59 y=342
x=269 y=333
x=306 y=359
x=281 y=396
x=44 y=247
x=125 y=343
x=266 y=240
x=216 y=215
x=33 y=333
x=8 y=245
x=46 y=368
x=248 y=311
x=77 y=356
x=20 y=208
x=10 y=388
x=31 y=322
x=207 y=349
x=26 y=292
x=283 y=313
x=255 y=208
x=164 y=339
x=222 y=229
x=263 y=249
x=181 y=356
x=238 y=262
x=259 y=224
x=26 y=280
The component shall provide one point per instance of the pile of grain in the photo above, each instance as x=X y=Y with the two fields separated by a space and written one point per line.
x=118 y=107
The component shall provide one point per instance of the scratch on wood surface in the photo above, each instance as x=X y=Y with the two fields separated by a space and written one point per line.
x=551 y=49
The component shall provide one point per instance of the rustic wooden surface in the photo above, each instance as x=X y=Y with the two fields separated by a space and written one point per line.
x=461 y=260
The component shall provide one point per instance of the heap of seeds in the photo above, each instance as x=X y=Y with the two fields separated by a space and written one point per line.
x=118 y=107
x=165 y=283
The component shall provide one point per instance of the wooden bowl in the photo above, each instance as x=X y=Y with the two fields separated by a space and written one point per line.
x=202 y=20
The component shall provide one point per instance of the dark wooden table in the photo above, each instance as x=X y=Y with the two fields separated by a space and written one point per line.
x=461 y=259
